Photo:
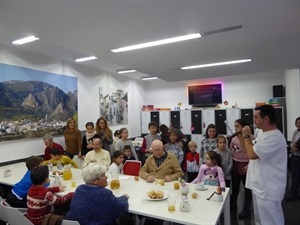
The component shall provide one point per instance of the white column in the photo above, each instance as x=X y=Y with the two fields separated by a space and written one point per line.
x=292 y=93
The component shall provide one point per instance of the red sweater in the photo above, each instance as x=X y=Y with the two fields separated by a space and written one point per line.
x=191 y=157
x=40 y=200
x=47 y=155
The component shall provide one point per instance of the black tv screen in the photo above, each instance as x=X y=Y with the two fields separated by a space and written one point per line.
x=205 y=95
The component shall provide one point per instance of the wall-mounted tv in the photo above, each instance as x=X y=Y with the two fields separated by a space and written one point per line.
x=205 y=95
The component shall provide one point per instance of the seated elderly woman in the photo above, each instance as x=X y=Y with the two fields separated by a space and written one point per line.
x=93 y=203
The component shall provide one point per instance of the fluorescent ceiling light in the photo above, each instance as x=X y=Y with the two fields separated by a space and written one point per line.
x=86 y=59
x=126 y=71
x=149 y=78
x=216 y=64
x=25 y=40
x=155 y=43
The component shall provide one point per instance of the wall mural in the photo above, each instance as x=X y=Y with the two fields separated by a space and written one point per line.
x=113 y=105
x=34 y=102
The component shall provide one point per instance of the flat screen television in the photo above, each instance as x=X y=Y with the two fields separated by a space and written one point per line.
x=205 y=95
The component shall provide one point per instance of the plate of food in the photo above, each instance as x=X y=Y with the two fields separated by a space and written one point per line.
x=201 y=189
x=156 y=195
x=53 y=173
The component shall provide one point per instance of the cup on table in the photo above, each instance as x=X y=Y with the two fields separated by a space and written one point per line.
x=73 y=183
x=171 y=204
x=200 y=185
x=176 y=185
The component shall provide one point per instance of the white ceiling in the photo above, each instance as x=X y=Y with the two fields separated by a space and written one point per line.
x=69 y=29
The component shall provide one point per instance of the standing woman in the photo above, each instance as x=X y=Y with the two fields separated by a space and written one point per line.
x=87 y=140
x=239 y=170
x=104 y=133
x=73 y=139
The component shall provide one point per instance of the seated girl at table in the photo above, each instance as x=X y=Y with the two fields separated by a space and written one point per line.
x=211 y=173
x=40 y=199
x=17 y=196
x=58 y=158
x=116 y=166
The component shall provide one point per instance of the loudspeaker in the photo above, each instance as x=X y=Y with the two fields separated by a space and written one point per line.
x=278 y=91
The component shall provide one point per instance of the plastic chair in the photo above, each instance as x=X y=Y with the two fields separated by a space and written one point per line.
x=13 y=215
x=132 y=167
x=3 y=216
x=69 y=222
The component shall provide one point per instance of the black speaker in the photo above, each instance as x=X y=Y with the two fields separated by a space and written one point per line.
x=278 y=91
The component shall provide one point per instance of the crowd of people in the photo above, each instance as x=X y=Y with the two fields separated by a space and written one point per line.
x=259 y=162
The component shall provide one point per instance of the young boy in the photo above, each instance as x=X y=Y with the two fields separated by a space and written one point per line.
x=127 y=153
x=58 y=158
x=148 y=139
x=40 y=199
x=192 y=161
x=174 y=147
x=17 y=196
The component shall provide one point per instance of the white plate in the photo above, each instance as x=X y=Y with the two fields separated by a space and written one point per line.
x=146 y=197
x=204 y=189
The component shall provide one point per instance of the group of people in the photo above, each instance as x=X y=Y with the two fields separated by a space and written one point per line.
x=260 y=163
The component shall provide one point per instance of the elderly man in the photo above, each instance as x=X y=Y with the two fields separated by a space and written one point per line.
x=50 y=144
x=98 y=155
x=161 y=165
x=267 y=169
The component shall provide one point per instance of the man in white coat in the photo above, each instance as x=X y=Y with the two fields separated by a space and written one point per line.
x=267 y=169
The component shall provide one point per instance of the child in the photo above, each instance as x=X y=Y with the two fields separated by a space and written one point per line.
x=192 y=161
x=87 y=140
x=125 y=141
x=211 y=172
x=40 y=199
x=116 y=166
x=209 y=141
x=58 y=158
x=147 y=141
x=17 y=196
x=127 y=153
x=117 y=137
x=174 y=147
x=164 y=130
x=226 y=158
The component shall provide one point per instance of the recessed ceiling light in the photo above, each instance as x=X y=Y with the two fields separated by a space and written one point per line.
x=215 y=64
x=25 y=40
x=149 y=78
x=86 y=59
x=159 y=42
x=125 y=71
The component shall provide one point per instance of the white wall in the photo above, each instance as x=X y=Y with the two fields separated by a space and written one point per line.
x=89 y=81
x=246 y=90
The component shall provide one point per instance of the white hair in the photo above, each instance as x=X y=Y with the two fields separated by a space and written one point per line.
x=91 y=172
x=48 y=137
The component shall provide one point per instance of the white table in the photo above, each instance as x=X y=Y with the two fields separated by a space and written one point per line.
x=202 y=211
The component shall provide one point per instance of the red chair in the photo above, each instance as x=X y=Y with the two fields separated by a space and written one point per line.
x=132 y=167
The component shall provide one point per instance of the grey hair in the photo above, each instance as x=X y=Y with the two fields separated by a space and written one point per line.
x=157 y=143
x=48 y=137
x=91 y=172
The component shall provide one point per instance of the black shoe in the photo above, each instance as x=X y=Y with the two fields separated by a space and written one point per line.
x=246 y=213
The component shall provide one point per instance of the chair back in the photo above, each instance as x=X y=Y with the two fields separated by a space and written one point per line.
x=132 y=167
x=14 y=216
x=3 y=216
x=69 y=222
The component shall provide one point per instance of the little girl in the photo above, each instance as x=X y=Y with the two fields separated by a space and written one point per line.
x=125 y=141
x=87 y=140
x=226 y=158
x=211 y=172
x=209 y=141
x=174 y=147
x=116 y=166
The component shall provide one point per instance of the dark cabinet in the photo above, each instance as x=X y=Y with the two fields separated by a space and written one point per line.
x=175 y=119
x=196 y=122
x=247 y=115
x=220 y=117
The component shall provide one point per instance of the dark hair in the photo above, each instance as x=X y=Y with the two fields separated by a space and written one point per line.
x=215 y=158
x=89 y=124
x=117 y=154
x=33 y=161
x=241 y=122
x=209 y=127
x=269 y=111
x=126 y=147
x=55 y=151
x=152 y=124
x=164 y=129
x=39 y=175
x=297 y=120
x=117 y=132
